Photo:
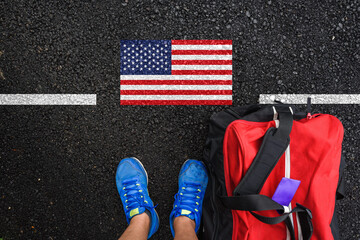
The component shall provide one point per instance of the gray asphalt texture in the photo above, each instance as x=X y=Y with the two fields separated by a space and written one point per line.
x=57 y=163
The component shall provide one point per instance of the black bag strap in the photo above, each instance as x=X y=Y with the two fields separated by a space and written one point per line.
x=257 y=202
x=305 y=217
x=274 y=144
x=251 y=202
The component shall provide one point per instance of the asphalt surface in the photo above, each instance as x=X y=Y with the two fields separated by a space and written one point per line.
x=58 y=163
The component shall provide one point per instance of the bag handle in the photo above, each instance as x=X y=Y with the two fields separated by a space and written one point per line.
x=257 y=202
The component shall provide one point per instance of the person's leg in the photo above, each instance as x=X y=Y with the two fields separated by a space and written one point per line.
x=184 y=228
x=131 y=182
x=138 y=228
x=186 y=214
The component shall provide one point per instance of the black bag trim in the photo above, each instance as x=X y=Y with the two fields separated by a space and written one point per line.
x=340 y=194
x=340 y=191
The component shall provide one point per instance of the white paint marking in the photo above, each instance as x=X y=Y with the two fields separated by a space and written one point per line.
x=47 y=99
x=315 y=98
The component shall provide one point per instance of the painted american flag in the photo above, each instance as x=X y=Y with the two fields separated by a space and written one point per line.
x=176 y=72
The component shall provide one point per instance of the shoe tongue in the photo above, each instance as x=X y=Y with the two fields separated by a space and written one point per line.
x=187 y=213
x=136 y=211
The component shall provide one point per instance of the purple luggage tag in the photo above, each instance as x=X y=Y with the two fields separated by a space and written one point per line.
x=285 y=191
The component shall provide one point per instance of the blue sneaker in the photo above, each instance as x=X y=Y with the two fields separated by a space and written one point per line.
x=193 y=180
x=131 y=182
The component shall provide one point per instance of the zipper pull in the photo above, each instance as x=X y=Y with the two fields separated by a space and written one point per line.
x=308 y=108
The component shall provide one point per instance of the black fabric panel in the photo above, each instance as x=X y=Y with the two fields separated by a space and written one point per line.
x=225 y=224
x=208 y=214
x=340 y=191
x=216 y=218
x=213 y=158
x=340 y=194
x=213 y=152
x=334 y=225
x=218 y=125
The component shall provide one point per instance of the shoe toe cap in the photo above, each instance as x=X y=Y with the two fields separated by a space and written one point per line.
x=128 y=170
x=195 y=172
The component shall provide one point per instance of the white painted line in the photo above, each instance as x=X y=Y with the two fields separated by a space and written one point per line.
x=47 y=99
x=176 y=87
x=315 y=98
x=176 y=97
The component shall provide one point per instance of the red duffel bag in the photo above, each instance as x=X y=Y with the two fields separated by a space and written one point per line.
x=274 y=174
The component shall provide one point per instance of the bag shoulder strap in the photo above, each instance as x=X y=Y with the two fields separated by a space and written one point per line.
x=274 y=144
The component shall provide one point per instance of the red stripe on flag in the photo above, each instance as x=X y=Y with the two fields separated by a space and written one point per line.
x=201 y=52
x=176 y=82
x=201 y=42
x=201 y=62
x=201 y=72
x=176 y=92
x=176 y=102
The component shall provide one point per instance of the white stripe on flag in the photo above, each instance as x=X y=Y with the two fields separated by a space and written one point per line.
x=47 y=99
x=315 y=98
x=201 y=47
x=176 y=97
x=175 y=77
x=201 y=67
x=201 y=57
x=176 y=87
